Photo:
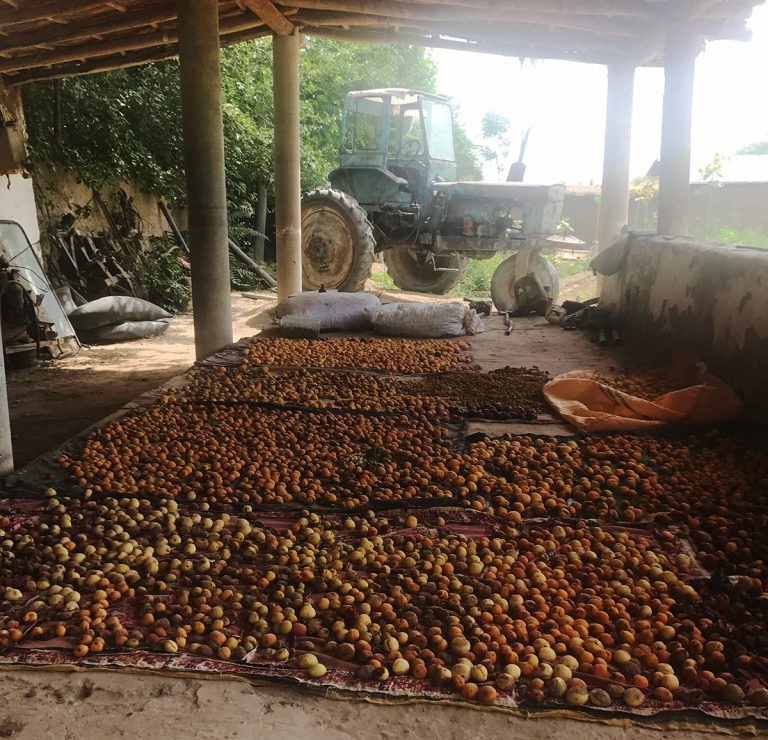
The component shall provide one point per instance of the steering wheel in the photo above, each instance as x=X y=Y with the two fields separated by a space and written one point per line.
x=411 y=148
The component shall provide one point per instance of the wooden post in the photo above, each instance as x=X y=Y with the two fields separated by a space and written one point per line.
x=204 y=164
x=614 y=191
x=261 y=221
x=285 y=62
x=6 y=443
x=675 y=161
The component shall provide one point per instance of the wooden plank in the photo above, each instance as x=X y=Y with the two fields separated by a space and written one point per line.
x=123 y=59
x=360 y=13
x=508 y=34
x=83 y=30
x=604 y=8
x=527 y=51
x=40 y=11
x=393 y=11
x=131 y=42
x=271 y=16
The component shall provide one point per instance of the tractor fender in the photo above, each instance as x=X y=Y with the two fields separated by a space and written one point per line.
x=373 y=188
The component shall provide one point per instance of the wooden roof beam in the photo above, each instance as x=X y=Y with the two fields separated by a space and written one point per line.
x=85 y=29
x=123 y=60
x=605 y=8
x=116 y=45
x=694 y=17
x=270 y=15
x=371 y=13
x=503 y=34
x=523 y=51
x=40 y=11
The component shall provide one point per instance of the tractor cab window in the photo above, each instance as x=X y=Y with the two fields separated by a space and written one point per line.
x=363 y=124
x=406 y=135
x=438 y=123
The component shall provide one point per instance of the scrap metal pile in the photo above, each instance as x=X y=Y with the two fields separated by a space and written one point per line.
x=334 y=528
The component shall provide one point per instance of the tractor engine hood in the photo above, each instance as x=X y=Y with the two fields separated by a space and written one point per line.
x=514 y=193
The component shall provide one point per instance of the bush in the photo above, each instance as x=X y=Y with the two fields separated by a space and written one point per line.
x=166 y=275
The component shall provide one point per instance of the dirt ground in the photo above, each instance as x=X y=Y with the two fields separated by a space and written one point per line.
x=79 y=390
x=51 y=404
x=98 y=706
x=579 y=287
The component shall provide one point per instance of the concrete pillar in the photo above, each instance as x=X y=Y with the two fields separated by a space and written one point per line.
x=204 y=164
x=285 y=63
x=614 y=192
x=675 y=160
x=261 y=221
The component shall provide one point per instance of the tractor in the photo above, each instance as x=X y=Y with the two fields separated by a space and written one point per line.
x=395 y=194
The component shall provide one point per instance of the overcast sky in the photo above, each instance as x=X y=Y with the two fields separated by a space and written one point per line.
x=564 y=102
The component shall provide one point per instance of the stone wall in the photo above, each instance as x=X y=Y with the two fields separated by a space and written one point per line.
x=59 y=192
x=698 y=296
x=733 y=205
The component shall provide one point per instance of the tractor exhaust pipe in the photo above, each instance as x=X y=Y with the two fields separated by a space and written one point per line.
x=517 y=169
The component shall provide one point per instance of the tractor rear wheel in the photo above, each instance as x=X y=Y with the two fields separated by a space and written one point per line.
x=503 y=281
x=336 y=242
x=411 y=269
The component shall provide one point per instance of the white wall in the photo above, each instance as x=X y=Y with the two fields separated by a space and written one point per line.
x=17 y=203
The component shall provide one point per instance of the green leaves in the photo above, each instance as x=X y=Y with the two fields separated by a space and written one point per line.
x=126 y=124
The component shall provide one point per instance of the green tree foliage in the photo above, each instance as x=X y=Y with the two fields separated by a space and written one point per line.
x=468 y=166
x=126 y=124
x=496 y=149
x=756 y=147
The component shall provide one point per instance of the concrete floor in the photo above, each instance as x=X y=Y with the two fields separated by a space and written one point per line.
x=96 y=705
x=48 y=704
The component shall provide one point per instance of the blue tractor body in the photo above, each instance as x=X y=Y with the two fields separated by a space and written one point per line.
x=397 y=165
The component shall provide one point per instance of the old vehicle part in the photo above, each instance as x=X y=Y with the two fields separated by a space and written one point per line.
x=424 y=272
x=506 y=276
x=337 y=242
x=508 y=323
x=34 y=322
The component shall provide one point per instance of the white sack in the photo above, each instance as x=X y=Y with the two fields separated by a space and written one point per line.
x=334 y=311
x=127 y=331
x=115 y=309
x=429 y=320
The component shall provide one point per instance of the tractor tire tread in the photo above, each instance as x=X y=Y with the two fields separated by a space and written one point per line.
x=365 y=244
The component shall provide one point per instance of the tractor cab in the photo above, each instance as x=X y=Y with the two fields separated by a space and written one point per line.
x=394 y=144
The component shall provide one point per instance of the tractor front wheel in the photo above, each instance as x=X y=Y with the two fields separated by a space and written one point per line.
x=415 y=270
x=503 y=281
x=336 y=242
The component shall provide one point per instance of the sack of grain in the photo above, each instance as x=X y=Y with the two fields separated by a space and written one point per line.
x=332 y=310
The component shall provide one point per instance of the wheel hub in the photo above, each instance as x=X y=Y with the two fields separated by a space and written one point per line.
x=327 y=248
x=319 y=252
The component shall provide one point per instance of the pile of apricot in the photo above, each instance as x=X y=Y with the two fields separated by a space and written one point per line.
x=320 y=389
x=268 y=456
x=572 y=612
x=564 y=576
x=390 y=355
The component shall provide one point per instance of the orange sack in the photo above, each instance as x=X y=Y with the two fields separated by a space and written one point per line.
x=684 y=392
